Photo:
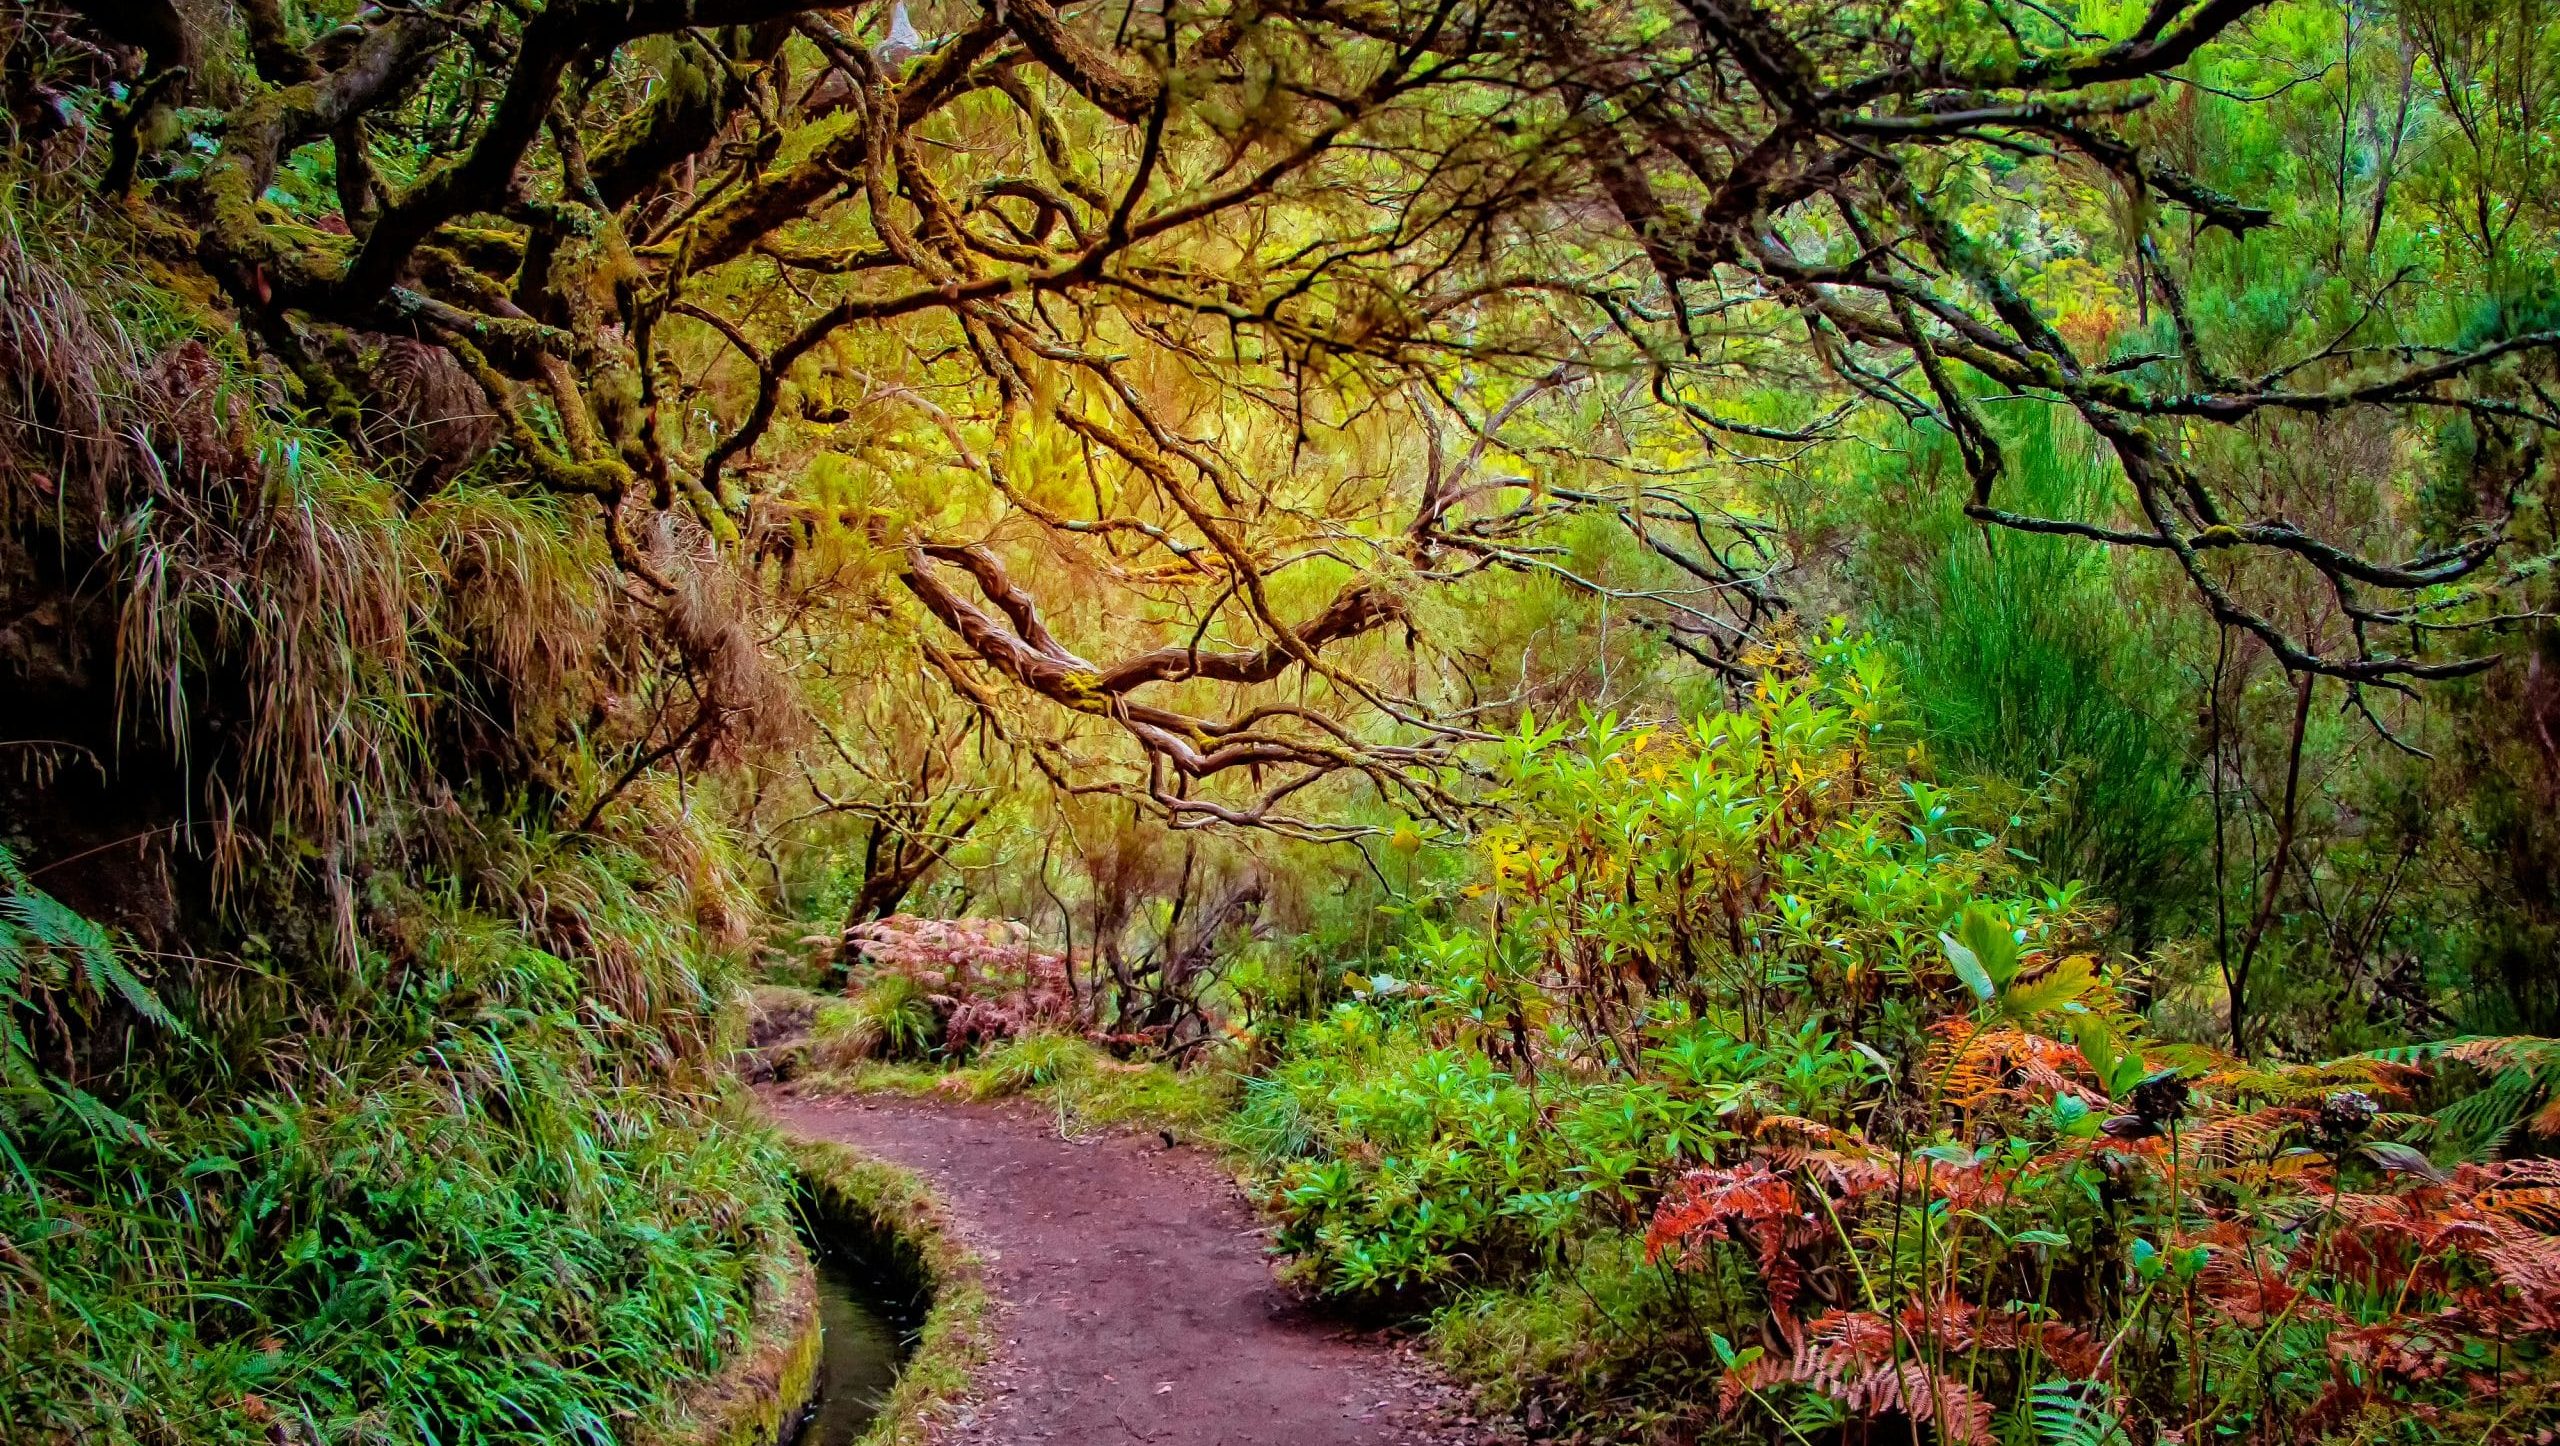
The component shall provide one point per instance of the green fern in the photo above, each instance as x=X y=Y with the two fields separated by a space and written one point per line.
x=42 y=942
x=44 y=946
x=2076 y=1413
x=2520 y=1077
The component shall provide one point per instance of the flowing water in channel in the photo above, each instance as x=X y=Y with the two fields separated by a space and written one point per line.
x=865 y=1343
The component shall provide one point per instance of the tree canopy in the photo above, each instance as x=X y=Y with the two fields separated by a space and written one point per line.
x=1168 y=364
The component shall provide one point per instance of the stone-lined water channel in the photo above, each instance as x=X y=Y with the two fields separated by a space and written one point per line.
x=870 y=1319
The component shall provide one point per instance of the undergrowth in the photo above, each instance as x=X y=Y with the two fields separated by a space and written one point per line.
x=1752 y=1085
x=465 y=1223
x=382 y=1108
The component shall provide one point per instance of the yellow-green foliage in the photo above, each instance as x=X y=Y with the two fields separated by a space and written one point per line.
x=891 y=1019
x=762 y=1391
x=1560 y=1335
x=1032 y=1061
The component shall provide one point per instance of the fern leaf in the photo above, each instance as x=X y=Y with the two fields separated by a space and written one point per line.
x=2076 y=1413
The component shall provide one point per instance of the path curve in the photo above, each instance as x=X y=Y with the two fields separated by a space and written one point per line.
x=1137 y=1303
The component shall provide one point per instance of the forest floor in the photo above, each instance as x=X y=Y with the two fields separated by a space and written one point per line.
x=1136 y=1297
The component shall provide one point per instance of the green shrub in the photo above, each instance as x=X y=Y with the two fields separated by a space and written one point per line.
x=1748 y=1083
x=1032 y=1061
x=1570 y=1333
x=1671 y=902
x=2030 y=661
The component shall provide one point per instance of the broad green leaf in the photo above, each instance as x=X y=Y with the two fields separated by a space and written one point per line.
x=2063 y=984
x=2401 y=1159
x=1968 y=968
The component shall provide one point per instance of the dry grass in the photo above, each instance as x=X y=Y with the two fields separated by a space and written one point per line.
x=297 y=585
x=524 y=601
x=308 y=630
x=258 y=570
x=71 y=376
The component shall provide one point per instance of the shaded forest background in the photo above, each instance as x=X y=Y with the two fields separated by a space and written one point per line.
x=518 y=521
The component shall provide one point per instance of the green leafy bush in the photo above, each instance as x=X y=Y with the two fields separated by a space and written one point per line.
x=1630 y=982
x=1747 y=1036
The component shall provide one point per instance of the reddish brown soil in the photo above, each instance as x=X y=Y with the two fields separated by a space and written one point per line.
x=1138 y=1301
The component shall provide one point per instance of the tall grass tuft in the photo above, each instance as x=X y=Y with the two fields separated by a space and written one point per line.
x=2032 y=659
x=892 y=1018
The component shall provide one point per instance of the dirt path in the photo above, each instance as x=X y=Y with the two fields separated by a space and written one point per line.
x=1138 y=1303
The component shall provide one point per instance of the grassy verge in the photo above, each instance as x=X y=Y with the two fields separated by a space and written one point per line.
x=368 y=1104
x=455 y=1214
x=910 y=1232
x=752 y=1401
x=1087 y=1087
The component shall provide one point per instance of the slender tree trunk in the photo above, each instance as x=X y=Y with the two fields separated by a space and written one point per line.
x=2221 y=847
x=2238 y=978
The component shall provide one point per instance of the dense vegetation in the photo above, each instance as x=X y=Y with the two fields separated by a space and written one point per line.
x=1830 y=716
x=375 y=1116
x=1706 y=1054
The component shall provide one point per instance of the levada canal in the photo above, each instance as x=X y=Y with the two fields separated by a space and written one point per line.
x=870 y=1309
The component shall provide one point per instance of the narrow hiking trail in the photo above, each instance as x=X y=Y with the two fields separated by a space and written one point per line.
x=1136 y=1300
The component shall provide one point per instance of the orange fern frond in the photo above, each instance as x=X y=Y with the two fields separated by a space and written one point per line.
x=1922 y=1394
x=1842 y=1340
x=1811 y=1132
x=2537 y=1205
x=2546 y=1121
x=1745 y=1202
x=2510 y=1051
x=2236 y=1137
x=1980 y=1065
x=1838 y=1347
x=2499 y=1174
x=1962 y=1325
x=1789 y=1141
x=2529 y=1266
x=1850 y=1176
x=2247 y=1283
x=1911 y=1178
x=2421 y=1349
x=2291 y=1082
